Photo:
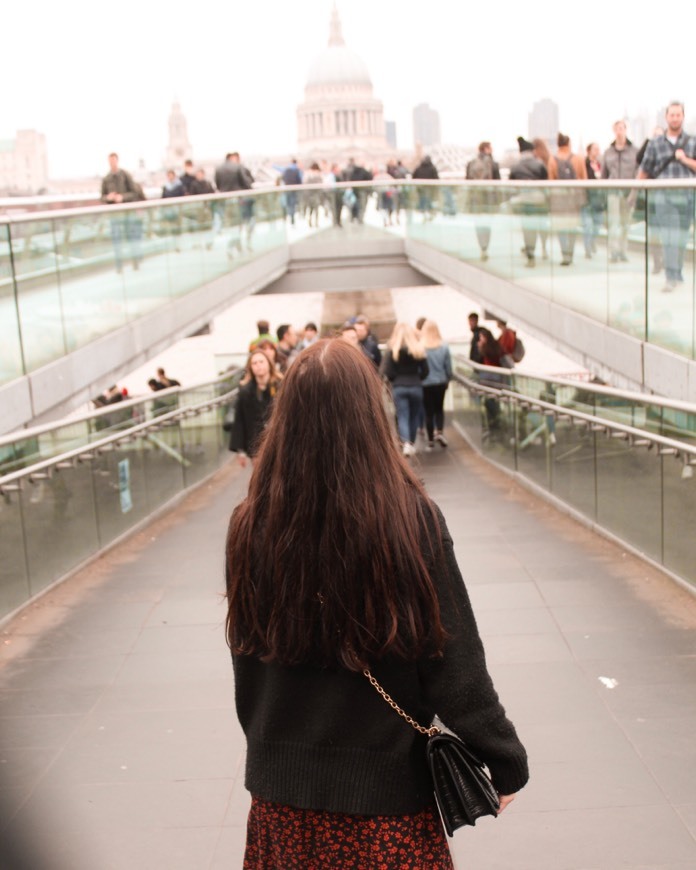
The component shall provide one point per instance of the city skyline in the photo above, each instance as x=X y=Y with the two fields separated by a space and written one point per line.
x=241 y=91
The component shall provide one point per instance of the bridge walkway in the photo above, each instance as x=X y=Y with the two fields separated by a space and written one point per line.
x=121 y=750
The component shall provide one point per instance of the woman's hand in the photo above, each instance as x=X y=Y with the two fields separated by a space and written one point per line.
x=505 y=799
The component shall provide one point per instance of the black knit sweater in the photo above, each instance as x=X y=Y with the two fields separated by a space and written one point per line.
x=324 y=739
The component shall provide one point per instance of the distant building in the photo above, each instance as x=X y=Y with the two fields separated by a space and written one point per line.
x=543 y=122
x=426 y=126
x=23 y=163
x=390 y=130
x=178 y=147
x=340 y=116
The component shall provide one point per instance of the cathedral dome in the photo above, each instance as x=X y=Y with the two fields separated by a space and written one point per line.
x=337 y=64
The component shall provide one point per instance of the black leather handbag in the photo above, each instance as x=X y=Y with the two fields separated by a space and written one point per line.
x=463 y=790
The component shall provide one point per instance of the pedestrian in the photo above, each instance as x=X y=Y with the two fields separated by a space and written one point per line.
x=286 y=346
x=474 y=352
x=530 y=203
x=337 y=562
x=592 y=212
x=188 y=177
x=672 y=156
x=165 y=381
x=620 y=162
x=119 y=187
x=367 y=340
x=312 y=198
x=233 y=176
x=253 y=405
x=506 y=339
x=349 y=333
x=405 y=366
x=566 y=203
x=483 y=200
x=426 y=171
x=541 y=152
x=291 y=176
x=310 y=335
x=436 y=383
x=200 y=185
x=264 y=332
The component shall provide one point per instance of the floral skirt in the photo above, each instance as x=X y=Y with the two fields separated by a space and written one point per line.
x=282 y=838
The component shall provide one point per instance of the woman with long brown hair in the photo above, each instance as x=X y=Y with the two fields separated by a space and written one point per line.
x=338 y=561
x=256 y=393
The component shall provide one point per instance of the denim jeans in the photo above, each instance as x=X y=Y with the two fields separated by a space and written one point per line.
x=408 y=402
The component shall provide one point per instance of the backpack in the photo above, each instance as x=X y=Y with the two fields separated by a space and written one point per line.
x=566 y=172
x=480 y=169
x=518 y=350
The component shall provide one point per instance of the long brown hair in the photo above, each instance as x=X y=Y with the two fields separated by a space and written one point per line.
x=330 y=556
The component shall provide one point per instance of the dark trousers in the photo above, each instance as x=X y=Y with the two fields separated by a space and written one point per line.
x=434 y=400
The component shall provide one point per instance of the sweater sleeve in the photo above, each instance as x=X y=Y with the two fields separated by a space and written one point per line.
x=458 y=688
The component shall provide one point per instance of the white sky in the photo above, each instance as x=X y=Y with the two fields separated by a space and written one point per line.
x=96 y=77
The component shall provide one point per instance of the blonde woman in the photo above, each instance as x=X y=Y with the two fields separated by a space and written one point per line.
x=435 y=384
x=405 y=366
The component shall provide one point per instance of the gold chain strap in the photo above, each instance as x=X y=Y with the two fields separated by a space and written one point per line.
x=428 y=732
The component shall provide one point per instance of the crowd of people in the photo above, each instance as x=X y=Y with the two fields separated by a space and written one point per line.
x=669 y=154
x=415 y=367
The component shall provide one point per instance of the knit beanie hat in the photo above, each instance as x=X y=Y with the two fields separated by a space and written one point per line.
x=524 y=144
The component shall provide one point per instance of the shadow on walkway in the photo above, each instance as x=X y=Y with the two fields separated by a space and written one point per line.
x=121 y=749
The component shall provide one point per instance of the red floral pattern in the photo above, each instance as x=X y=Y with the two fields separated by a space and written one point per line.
x=282 y=838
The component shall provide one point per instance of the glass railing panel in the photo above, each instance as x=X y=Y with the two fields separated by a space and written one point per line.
x=59 y=523
x=528 y=215
x=534 y=440
x=629 y=493
x=92 y=292
x=38 y=292
x=120 y=490
x=573 y=468
x=204 y=444
x=163 y=462
x=14 y=580
x=11 y=366
x=670 y=298
x=625 y=261
x=679 y=506
x=467 y=410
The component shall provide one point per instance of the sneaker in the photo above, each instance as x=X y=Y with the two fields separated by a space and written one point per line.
x=429 y=446
x=408 y=449
x=669 y=286
x=439 y=437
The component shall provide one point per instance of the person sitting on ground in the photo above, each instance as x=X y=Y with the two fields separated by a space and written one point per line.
x=253 y=405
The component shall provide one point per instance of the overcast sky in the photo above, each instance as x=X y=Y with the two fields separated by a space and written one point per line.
x=96 y=77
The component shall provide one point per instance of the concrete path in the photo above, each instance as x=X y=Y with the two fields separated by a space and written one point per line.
x=120 y=748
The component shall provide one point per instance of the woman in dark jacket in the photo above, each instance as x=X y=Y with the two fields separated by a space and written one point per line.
x=405 y=366
x=338 y=562
x=253 y=404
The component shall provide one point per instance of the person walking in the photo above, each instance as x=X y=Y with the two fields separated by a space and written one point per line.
x=566 y=203
x=619 y=162
x=592 y=212
x=118 y=186
x=532 y=203
x=483 y=200
x=436 y=383
x=253 y=405
x=405 y=366
x=672 y=156
x=339 y=565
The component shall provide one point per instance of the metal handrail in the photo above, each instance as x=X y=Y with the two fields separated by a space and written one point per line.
x=35 y=431
x=12 y=482
x=636 y=437
x=588 y=386
x=627 y=184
